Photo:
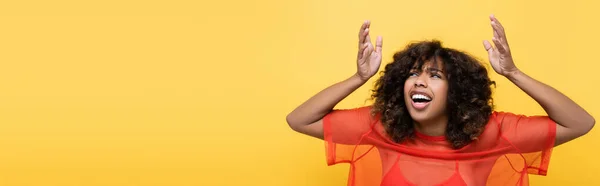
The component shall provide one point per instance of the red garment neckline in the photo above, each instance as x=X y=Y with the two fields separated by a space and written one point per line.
x=430 y=138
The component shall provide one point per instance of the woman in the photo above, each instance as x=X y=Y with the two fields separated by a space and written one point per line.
x=432 y=122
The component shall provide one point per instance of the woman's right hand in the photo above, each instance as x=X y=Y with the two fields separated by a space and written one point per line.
x=369 y=57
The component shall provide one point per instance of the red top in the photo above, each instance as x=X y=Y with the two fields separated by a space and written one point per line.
x=511 y=147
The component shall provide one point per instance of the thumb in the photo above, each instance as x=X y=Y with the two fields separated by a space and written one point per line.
x=488 y=47
x=379 y=44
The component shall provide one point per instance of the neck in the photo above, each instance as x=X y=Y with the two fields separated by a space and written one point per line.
x=435 y=127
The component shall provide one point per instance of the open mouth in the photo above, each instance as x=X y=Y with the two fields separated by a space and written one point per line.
x=420 y=101
x=421 y=98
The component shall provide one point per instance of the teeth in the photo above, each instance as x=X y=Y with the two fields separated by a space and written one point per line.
x=421 y=96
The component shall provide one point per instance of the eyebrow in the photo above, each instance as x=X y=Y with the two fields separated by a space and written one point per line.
x=431 y=69
x=435 y=70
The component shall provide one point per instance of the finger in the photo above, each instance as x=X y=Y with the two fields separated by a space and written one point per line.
x=496 y=35
x=497 y=23
x=379 y=44
x=361 y=37
x=364 y=25
x=361 y=32
x=367 y=52
x=368 y=36
x=488 y=47
x=499 y=31
x=361 y=50
x=499 y=45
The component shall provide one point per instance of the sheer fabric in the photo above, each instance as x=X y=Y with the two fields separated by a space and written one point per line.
x=511 y=147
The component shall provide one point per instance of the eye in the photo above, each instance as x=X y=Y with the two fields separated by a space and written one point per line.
x=412 y=74
x=436 y=76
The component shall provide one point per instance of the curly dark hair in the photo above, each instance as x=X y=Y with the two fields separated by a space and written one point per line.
x=469 y=101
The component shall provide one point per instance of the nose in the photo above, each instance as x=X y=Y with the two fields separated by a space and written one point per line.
x=420 y=82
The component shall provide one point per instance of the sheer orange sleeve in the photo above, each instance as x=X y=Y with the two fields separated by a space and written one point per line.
x=343 y=130
x=532 y=137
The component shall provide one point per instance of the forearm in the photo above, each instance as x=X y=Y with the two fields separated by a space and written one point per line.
x=559 y=107
x=323 y=102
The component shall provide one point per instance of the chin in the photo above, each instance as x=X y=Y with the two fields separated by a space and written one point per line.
x=424 y=116
x=418 y=117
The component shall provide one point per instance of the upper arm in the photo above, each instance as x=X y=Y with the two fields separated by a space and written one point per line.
x=344 y=126
x=564 y=134
x=314 y=129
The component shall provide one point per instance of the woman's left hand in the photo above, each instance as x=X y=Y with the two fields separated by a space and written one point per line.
x=500 y=57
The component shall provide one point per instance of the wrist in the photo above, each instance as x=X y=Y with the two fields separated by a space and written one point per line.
x=513 y=75
x=360 y=78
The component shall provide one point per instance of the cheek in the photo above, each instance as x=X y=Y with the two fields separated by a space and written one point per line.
x=407 y=86
x=441 y=92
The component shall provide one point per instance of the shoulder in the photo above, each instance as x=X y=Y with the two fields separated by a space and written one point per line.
x=502 y=115
x=361 y=111
x=356 y=115
x=367 y=108
x=503 y=118
x=494 y=127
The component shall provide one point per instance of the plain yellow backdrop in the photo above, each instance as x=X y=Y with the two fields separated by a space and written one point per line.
x=195 y=93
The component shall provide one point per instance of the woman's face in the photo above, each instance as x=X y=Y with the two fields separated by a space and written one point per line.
x=425 y=92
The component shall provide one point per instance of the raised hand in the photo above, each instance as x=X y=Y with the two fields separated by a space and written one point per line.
x=500 y=57
x=369 y=57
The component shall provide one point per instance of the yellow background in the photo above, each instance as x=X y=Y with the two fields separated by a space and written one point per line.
x=182 y=93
